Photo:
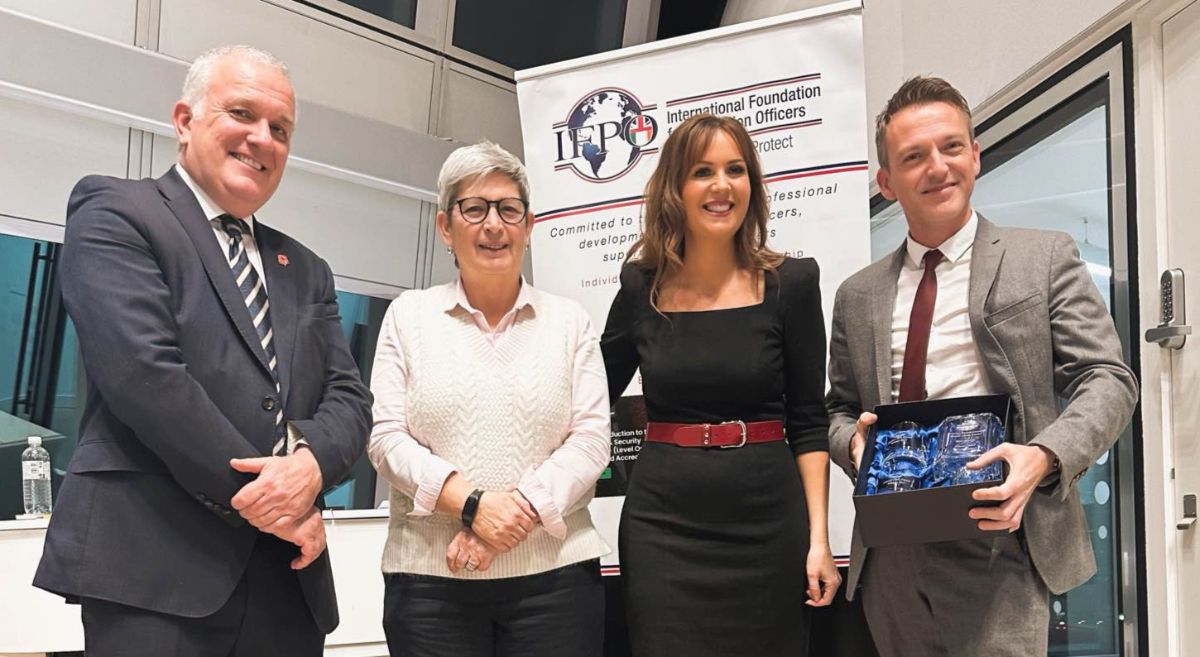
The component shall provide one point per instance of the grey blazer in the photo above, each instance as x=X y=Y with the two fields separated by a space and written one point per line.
x=1045 y=339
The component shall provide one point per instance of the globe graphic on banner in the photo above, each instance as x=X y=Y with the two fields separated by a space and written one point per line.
x=606 y=110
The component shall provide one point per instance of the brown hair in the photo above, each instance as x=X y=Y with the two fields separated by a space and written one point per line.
x=660 y=249
x=920 y=90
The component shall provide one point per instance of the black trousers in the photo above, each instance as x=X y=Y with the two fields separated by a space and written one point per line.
x=265 y=616
x=551 y=614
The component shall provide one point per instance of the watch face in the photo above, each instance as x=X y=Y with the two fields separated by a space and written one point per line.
x=470 y=507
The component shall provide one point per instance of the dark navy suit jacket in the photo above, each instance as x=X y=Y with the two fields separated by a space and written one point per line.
x=177 y=385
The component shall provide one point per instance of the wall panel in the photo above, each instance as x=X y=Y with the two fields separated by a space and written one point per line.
x=475 y=109
x=330 y=66
x=980 y=46
x=44 y=152
x=111 y=19
x=363 y=233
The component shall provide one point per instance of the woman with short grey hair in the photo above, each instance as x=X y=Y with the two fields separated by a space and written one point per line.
x=491 y=426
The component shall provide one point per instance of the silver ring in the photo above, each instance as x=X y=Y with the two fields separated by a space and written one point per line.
x=471 y=565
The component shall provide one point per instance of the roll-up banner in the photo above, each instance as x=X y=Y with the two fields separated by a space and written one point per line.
x=593 y=128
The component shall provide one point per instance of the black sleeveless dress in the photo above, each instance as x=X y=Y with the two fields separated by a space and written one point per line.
x=713 y=542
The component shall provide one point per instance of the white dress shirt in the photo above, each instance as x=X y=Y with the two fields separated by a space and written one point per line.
x=953 y=365
x=212 y=211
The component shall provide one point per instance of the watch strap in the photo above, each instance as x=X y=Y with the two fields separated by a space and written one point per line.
x=471 y=507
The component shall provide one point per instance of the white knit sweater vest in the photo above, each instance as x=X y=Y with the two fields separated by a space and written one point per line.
x=494 y=412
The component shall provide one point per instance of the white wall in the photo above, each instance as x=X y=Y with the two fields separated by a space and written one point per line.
x=378 y=116
x=980 y=46
x=331 y=66
x=112 y=19
x=53 y=150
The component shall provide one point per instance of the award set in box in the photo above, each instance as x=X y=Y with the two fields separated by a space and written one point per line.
x=913 y=484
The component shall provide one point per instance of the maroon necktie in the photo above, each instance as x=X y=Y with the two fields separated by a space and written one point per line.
x=912 y=377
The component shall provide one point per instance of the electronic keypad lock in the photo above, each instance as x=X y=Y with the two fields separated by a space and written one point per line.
x=1172 y=329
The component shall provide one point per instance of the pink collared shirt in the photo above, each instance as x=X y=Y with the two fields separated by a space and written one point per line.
x=554 y=486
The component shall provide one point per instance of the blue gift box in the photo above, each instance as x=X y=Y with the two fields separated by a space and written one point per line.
x=935 y=509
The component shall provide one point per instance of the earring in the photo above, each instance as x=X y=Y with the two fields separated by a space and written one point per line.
x=449 y=251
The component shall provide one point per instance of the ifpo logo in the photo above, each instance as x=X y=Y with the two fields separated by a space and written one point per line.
x=605 y=134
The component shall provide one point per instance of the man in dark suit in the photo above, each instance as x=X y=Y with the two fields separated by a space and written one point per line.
x=966 y=307
x=222 y=397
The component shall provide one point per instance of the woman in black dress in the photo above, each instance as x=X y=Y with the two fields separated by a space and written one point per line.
x=722 y=551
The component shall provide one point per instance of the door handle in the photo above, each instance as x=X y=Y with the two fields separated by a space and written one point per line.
x=1168 y=337
x=1189 y=513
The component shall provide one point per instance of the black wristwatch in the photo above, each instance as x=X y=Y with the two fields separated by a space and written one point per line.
x=471 y=507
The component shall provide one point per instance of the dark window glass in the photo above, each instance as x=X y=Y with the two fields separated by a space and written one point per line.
x=362 y=317
x=679 y=17
x=1054 y=173
x=403 y=12
x=41 y=378
x=524 y=33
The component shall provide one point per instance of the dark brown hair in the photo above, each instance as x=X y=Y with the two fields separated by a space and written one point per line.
x=661 y=247
x=917 y=91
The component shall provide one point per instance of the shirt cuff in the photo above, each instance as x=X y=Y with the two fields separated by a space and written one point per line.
x=1055 y=475
x=541 y=501
x=429 y=488
x=294 y=438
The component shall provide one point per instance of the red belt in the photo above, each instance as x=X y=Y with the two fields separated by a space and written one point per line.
x=734 y=433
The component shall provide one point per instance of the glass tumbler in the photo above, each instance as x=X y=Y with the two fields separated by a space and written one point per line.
x=905 y=458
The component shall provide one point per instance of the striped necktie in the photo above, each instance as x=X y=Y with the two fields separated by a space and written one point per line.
x=259 y=307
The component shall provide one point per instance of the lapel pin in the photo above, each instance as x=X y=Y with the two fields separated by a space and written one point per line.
x=283 y=259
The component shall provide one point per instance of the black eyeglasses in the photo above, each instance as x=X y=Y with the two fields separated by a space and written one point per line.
x=475 y=209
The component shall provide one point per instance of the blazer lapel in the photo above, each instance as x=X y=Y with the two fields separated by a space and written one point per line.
x=882 y=306
x=187 y=210
x=986 y=254
x=281 y=292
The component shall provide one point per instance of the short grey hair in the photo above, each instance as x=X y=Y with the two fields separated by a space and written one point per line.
x=195 y=85
x=470 y=162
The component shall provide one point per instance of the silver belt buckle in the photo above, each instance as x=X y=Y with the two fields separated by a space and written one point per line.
x=740 y=444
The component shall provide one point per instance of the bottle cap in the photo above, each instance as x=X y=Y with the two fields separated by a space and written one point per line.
x=35 y=441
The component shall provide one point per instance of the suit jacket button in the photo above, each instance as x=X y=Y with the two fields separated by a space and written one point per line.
x=268 y=403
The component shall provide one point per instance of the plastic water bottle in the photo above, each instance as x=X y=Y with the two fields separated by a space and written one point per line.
x=35 y=476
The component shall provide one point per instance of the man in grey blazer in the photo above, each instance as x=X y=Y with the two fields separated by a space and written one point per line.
x=966 y=307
